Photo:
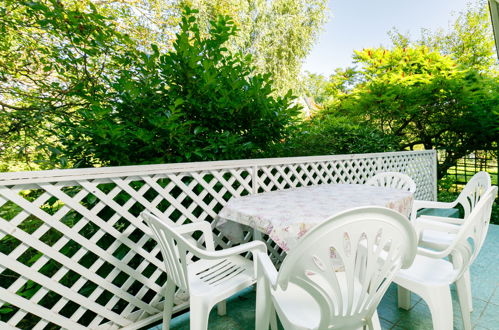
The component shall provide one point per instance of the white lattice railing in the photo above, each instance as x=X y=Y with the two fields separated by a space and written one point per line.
x=74 y=254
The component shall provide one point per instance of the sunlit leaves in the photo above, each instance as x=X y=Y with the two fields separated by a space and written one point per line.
x=196 y=102
x=423 y=98
x=278 y=33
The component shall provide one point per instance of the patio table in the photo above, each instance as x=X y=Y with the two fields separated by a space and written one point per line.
x=286 y=215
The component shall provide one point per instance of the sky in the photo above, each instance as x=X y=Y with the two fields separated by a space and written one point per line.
x=358 y=24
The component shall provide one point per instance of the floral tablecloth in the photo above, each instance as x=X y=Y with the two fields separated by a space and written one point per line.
x=286 y=215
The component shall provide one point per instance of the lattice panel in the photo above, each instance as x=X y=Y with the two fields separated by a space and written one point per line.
x=74 y=253
x=421 y=167
x=286 y=176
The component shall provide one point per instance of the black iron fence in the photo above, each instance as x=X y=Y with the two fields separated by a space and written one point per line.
x=457 y=176
x=466 y=167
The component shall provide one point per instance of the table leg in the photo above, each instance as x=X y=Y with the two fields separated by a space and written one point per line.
x=257 y=235
x=404 y=298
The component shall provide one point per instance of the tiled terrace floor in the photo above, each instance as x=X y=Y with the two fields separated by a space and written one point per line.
x=485 y=283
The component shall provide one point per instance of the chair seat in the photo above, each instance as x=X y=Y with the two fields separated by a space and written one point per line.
x=208 y=277
x=429 y=271
x=296 y=306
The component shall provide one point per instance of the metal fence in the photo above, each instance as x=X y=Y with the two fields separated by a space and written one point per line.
x=74 y=254
x=466 y=167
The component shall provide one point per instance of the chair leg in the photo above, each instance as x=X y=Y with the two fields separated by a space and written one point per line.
x=439 y=301
x=273 y=319
x=168 y=304
x=200 y=313
x=404 y=297
x=375 y=324
x=263 y=306
x=222 y=308
x=464 y=298
x=467 y=279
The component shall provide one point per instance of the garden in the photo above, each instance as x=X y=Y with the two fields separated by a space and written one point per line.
x=87 y=85
x=96 y=84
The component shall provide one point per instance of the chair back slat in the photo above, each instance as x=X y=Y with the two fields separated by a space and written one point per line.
x=173 y=249
x=395 y=180
x=473 y=191
x=348 y=262
x=472 y=234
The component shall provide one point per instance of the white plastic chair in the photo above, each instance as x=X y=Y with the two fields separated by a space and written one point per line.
x=214 y=277
x=337 y=275
x=431 y=275
x=395 y=180
x=468 y=199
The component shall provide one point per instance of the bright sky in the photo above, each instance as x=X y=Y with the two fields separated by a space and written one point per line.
x=357 y=24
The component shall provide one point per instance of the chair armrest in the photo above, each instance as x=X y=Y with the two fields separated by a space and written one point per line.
x=456 y=221
x=202 y=226
x=423 y=224
x=253 y=247
x=266 y=270
x=462 y=248
x=433 y=254
x=420 y=204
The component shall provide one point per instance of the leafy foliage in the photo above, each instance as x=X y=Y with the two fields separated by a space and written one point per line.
x=469 y=41
x=314 y=85
x=278 y=34
x=60 y=60
x=197 y=102
x=54 y=57
x=423 y=98
x=327 y=135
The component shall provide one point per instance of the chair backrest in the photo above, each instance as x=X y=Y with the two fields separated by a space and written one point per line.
x=473 y=191
x=471 y=236
x=174 y=249
x=395 y=180
x=347 y=263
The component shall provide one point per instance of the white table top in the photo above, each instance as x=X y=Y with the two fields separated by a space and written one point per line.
x=286 y=215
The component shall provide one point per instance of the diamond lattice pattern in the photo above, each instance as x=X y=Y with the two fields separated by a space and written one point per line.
x=74 y=253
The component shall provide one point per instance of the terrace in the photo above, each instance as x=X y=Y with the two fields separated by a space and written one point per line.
x=75 y=253
x=241 y=308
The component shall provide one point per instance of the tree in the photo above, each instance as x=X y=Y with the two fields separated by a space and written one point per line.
x=54 y=57
x=439 y=92
x=469 y=41
x=59 y=55
x=146 y=22
x=423 y=98
x=196 y=102
x=314 y=85
x=278 y=34
x=330 y=135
